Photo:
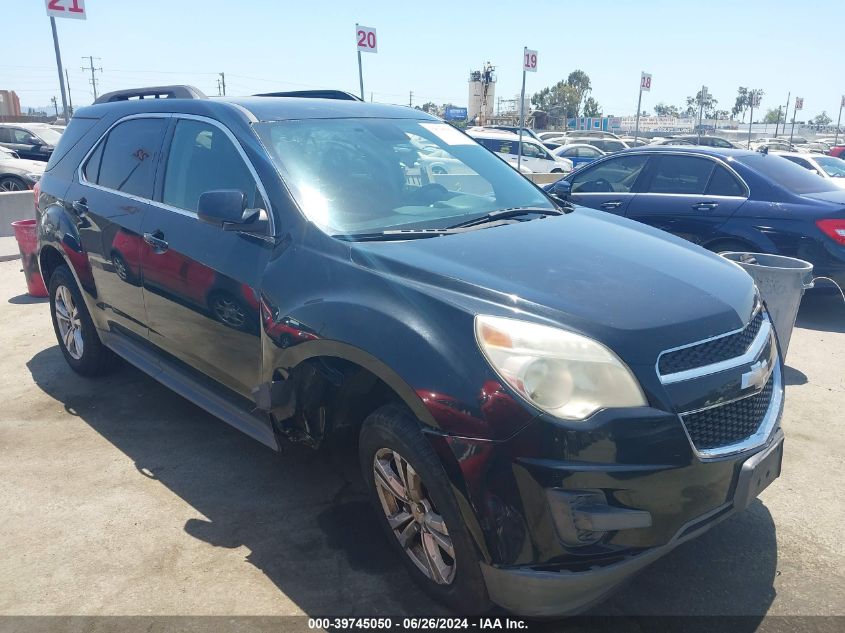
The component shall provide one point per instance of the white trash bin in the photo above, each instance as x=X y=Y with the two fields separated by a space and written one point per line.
x=782 y=282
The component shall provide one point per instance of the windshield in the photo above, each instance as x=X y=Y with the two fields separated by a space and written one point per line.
x=787 y=174
x=833 y=167
x=47 y=134
x=353 y=176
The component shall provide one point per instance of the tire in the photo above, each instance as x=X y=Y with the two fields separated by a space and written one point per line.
x=75 y=331
x=727 y=246
x=457 y=581
x=12 y=183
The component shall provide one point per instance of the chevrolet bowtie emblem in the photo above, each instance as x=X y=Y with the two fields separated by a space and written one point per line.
x=757 y=375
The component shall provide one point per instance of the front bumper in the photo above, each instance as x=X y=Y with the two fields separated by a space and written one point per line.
x=529 y=591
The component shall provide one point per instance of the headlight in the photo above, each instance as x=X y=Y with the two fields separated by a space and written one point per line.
x=565 y=374
x=33 y=177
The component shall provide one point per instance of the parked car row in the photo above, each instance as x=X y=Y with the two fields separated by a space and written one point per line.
x=725 y=199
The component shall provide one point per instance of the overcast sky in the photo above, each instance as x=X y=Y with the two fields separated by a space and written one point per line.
x=430 y=48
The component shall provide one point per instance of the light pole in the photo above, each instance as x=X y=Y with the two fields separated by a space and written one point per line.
x=838 y=121
x=645 y=84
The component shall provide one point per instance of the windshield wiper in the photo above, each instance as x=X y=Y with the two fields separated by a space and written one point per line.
x=504 y=214
x=395 y=234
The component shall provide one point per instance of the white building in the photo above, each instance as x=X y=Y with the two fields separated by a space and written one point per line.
x=482 y=93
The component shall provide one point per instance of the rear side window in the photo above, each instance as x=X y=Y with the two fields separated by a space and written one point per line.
x=723 y=183
x=5 y=135
x=614 y=175
x=202 y=158
x=681 y=175
x=128 y=159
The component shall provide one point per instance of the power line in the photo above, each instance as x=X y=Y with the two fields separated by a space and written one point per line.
x=92 y=68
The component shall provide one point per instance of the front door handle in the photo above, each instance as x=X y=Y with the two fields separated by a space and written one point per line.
x=705 y=206
x=156 y=241
x=611 y=204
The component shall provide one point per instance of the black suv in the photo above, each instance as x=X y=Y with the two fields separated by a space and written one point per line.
x=544 y=398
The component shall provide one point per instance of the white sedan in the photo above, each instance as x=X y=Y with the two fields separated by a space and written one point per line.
x=828 y=167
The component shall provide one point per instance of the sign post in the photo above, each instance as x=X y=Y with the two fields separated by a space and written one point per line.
x=529 y=64
x=63 y=9
x=367 y=42
x=645 y=85
x=838 y=121
x=799 y=105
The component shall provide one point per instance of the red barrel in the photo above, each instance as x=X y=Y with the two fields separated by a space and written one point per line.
x=28 y=244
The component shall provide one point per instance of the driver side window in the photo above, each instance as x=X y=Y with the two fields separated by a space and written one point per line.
x=202 y=158
x=529 y=150
x=616 y=175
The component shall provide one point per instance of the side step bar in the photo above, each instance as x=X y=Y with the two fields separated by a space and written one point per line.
x=182 y=382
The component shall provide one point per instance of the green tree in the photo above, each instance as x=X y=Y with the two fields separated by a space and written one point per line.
x=694 y=103
x=661 y=109
x=742 y=102
x=772 y=115
x=822 y=120
x=592 y=107
x=580 y=81
x=561 y=100
x=429 y=108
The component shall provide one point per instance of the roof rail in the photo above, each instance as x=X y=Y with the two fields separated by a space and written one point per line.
x=314 y=94
x=152 y=92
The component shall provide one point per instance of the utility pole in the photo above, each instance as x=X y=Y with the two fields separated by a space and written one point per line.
x=55 y=105
x=92 y=68
x=780 y=111
x=59 y=65
x=69 y=100
x=411 y=99
x=223 y=82
x=219 y=89
x=786 y=112
x=839 y=120
x=799 y=105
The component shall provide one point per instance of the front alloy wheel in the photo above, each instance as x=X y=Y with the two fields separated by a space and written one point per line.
x=69 y=323
x=412 y=516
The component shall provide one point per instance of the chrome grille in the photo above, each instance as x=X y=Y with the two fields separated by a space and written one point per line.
x=730 y=423
x=709 y=352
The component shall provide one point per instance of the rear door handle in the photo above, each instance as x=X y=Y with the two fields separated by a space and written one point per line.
x=156 y=241
x=611 y=204
x=705 y=206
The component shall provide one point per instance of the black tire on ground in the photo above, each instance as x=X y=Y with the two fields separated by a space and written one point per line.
x=728 y=246
x=392 y=427
x=95 y=358
x=12 y=183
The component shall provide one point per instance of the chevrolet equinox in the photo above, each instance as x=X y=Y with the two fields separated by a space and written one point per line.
x=545 y=398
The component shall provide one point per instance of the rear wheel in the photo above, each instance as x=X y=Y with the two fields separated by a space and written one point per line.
x=75 y=331
x=418 y=511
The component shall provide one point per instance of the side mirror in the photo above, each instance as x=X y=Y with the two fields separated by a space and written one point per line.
x=226 y=208
x=561 y=189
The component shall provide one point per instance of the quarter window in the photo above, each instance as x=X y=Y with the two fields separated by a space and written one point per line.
x=723 y=183
x=616 y=175
x=128 y=159
x=202 y=158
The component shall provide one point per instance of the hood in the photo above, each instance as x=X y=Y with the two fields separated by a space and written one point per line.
x=637 y=289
